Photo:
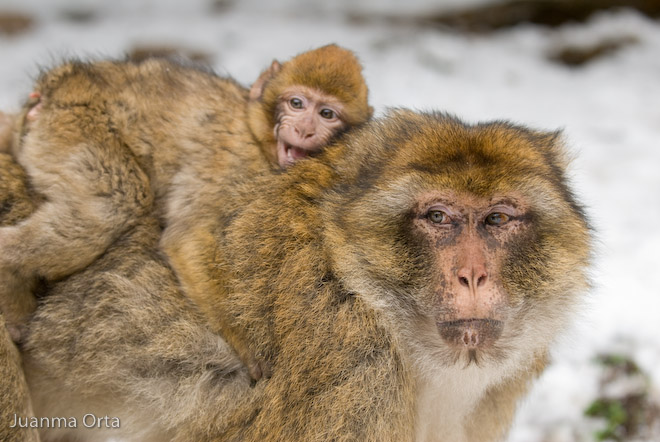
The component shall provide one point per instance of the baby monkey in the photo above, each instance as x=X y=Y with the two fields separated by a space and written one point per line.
x=107 y=142
x=296 y=108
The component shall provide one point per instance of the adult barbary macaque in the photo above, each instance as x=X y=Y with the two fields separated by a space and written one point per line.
x=443 y=254
x=406 y=284
x=103 y=141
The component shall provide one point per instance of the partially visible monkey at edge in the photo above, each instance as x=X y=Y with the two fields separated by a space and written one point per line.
x=16 y=203
x=409 y=292
x=106 y=142
x=131 y=346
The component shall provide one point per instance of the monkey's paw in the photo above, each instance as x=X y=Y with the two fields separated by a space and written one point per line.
x=258 y=367
x=16 y=332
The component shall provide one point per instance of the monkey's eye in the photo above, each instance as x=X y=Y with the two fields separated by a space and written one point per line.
x=328 y=114
x=296 y=103
x=497 y=219
x=438 y=217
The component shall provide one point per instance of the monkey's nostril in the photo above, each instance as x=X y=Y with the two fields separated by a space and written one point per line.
x=464 y=281
x=482 y=280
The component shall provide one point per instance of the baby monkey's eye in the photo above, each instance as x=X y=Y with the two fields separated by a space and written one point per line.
x=328 y=114
x=296 y=103
x=438 y=217
x=497 y=219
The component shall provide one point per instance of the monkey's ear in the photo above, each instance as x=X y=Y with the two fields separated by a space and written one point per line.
x=257 y=89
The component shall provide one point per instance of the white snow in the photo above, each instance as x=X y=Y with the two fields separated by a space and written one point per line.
x=609 y=111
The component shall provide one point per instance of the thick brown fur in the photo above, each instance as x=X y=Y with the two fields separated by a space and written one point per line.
x=14 y=394
x=108 y=142
x=320 y=265
x=118 y=339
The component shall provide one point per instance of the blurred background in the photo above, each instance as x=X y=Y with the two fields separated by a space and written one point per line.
x=588 y=67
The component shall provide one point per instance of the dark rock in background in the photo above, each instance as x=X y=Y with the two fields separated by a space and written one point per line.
x=13 y=23
x=501 y=15
x=78 y=15
x=551 y=13
x=575 y=56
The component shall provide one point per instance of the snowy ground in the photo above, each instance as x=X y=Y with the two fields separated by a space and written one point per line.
x=609 y=111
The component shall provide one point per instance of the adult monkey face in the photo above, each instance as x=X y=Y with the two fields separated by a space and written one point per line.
x=484 y=249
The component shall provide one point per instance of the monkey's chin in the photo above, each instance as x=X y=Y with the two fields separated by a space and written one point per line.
x=287 y=154
x=470 y=334
x=473 y=342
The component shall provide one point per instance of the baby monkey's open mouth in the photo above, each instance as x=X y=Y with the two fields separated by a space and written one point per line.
x=295 y=153
x=287 y=154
